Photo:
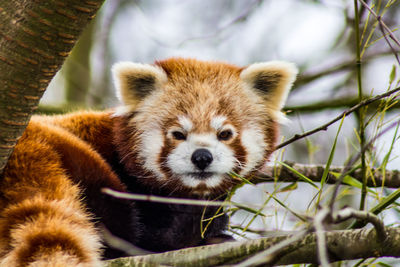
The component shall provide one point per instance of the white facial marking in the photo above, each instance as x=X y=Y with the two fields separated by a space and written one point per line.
x=202 y=140
x=217 y=122
x=253 y=140
x=186 y=124
x=179 y=160
x=152 y=142
x=190 y=181
x=213 y=181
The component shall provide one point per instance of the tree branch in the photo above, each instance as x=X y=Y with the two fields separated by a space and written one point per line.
x=345 y=113
x=346 y=65
x=391 y=178
x=345 y=102
x=342 y=245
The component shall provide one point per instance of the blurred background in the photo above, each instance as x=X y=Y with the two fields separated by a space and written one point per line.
x=318 y=36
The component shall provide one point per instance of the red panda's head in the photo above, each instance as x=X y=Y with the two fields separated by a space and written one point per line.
x=188 y=123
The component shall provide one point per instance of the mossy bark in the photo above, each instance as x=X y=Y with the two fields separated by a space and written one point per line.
x=342 y=245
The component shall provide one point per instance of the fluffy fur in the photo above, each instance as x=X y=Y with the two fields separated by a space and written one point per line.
x=183 y=125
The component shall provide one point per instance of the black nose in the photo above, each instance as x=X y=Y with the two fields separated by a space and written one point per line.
x=202 y=158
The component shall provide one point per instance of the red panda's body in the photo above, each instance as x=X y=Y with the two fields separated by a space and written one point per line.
x=182 y=126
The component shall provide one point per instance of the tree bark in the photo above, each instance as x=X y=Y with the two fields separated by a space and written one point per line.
x=376 y=178
x=36 y=37
x=342 y=245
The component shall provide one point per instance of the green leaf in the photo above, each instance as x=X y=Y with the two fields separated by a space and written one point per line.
x=386 y=202
x=382 y=205
x=235 y=176
x=301 y=176
x=243 y=207
x=302 y=218
x=384 y=264
x=351 y=181
x=387 y=156
x=392 y=75
x=329 y=162
x=289 y=187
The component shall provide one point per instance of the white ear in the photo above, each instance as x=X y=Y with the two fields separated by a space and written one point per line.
x=272 y=80
x=134 y=81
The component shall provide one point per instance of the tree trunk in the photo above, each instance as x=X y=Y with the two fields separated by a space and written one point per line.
x=36 y=37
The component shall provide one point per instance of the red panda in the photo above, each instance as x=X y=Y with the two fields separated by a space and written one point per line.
x=182 y=127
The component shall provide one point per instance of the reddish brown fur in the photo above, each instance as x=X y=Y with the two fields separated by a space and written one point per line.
x=43 y=220
x=198 y=90
x=37 y=190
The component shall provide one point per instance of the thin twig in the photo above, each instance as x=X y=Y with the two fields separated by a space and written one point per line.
x=344 y=113
x=337 y=103
x=383 y=28
x=388 y=42
x=305 y=78
x=167 y=200
x=240 y=18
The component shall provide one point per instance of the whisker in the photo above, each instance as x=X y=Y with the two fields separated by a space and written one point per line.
x=127 y=155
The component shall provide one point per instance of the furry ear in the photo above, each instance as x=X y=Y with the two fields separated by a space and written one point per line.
x=272 y=80
x=135 y=81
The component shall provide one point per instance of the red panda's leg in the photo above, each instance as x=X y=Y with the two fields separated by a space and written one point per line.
x=42 y=219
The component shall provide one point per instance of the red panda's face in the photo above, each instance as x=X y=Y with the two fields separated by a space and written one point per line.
x=195 y=122
x=202 y=159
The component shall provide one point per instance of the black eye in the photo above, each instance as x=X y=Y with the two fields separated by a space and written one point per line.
x=178 y=135
x=225 y=135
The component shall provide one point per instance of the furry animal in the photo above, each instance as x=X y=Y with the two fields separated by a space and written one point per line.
x=182 y=126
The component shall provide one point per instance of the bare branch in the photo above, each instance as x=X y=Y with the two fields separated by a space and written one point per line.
x=243 y=16
x=326 y=217
x=348 y=213
x=345 y=113
x=168 y=200
x=280 y=173
x=346 y=65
